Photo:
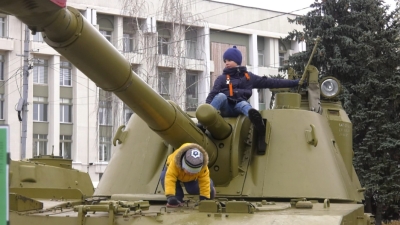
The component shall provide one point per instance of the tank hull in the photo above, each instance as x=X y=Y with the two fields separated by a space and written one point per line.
x=281 y=213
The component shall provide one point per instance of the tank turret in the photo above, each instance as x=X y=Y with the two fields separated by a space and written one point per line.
x=305 y=172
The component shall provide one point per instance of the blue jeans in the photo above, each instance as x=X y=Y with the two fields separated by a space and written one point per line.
x=192 y=187
x=228 y=109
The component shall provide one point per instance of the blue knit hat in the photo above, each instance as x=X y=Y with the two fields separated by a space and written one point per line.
x=233 y=54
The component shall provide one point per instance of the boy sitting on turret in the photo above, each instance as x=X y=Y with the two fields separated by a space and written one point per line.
x=234 y=87
x=187 y=164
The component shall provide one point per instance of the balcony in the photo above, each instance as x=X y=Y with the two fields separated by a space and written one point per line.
x=6 y=44
x=43 y=48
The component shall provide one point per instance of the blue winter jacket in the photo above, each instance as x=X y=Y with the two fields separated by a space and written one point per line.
x=242 y=87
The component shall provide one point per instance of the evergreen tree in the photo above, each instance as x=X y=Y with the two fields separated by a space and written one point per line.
x=360 y=44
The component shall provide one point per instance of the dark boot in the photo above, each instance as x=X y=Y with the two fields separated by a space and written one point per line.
x=201 y=127
x=258 y=123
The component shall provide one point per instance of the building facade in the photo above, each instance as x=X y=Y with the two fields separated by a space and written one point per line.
x=175 y=46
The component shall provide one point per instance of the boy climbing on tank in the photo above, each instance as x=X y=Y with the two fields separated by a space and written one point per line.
x=233 y=88
x=187 y=164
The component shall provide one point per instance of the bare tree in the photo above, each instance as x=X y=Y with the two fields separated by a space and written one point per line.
x=162 y=44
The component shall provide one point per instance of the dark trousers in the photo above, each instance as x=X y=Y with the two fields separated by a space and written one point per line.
x=192 y=187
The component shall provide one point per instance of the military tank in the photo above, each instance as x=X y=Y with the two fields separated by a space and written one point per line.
x=303 y=176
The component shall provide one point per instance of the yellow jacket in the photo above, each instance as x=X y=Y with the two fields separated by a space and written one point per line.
x=175 y=172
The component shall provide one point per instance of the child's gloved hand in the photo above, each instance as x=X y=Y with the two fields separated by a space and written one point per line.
x=203 y=198
x=172 y=201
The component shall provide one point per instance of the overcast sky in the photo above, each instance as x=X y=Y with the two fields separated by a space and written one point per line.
x=283 y=5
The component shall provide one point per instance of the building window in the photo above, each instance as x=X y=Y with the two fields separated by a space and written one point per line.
x=3 y=26
x=1 y=67
x=191 y=44
x=282 y=52
x=37 y=37
x=106 y=34
x=191 y=48
x=164 y=38
x=163 y=83
x=1 y=107
x=100 y=176
x=262 y=99
x=105 y=113
x=65 y=73
x=191 y=92
x=130 y=26
x=163 y=45
x=106 y=26
x=127 y=43
x=105 y=108
x=66 y=146
x=39 y=144
x=260 y=58
x=39 y=109
x=127 y=113
x=281 y=59
x=40 y=71
x=104 y=149
x=65 y=110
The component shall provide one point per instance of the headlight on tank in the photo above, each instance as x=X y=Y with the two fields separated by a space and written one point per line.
x=330 y=87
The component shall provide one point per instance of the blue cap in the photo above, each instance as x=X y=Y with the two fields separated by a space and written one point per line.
x=233 y=54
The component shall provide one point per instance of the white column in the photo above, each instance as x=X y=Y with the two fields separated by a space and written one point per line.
x=272 y=47
x=12 y=66
x=118 y=33
x=91 y=16
x=253 y=52
x=272 y=54
x=54 y=105
x=298 y=47
x=178 y=79
x=204 y=76
x=118 y=42
x=88 y=14
x=84 y=139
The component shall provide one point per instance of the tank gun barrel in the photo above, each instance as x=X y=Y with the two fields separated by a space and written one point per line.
x=68 y=32
x=304 y=76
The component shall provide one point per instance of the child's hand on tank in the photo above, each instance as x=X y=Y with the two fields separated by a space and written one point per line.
x=203 y=198
x=172 y=201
